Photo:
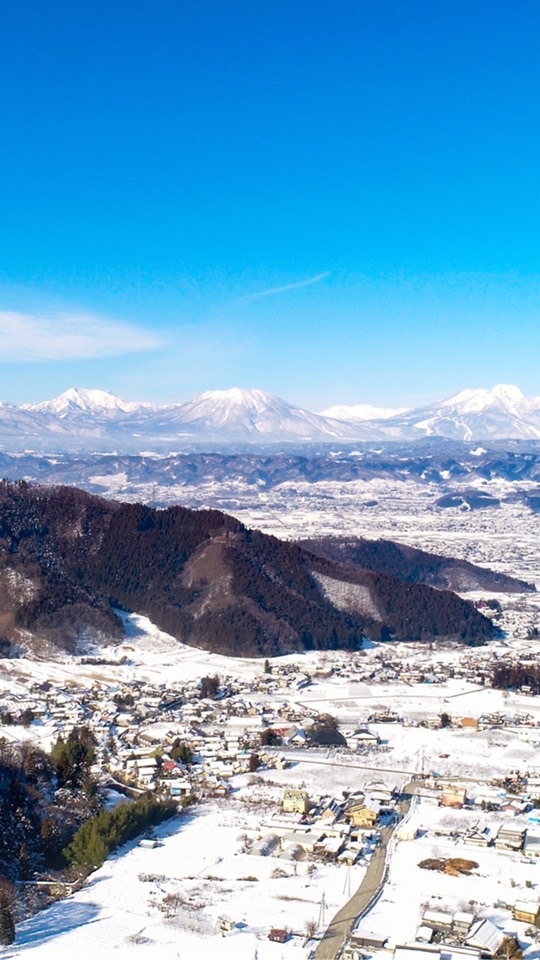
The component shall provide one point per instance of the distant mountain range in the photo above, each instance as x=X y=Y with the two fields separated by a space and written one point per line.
x=460 y=476
x=98 y=421
x=67 y=559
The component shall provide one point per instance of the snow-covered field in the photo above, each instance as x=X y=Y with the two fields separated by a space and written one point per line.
x=166 y=902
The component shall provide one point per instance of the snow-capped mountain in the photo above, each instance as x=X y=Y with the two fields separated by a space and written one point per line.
x=253 y=415
x=500 y=413
x=96 y=420
x=361 y=412
x=96 y=404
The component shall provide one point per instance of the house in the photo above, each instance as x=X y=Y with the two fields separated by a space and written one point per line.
x=510 y=837
x=362 y=935
x=298 y=838
x=278 y=935
x=531 y=846
x=328 y=737
x=226 y=924
x=295 y=801
x=330 y=847
x=350 y=854
x=528 y=911
x=453 y=796
x=360 y=815
x=486 y=937
x=533 y=787
x=441 y=951
x=437 y=920
x=462 y=923
x=406 y=832
x=375 y=941
x=179 y=788
x=478 y=836
x=364 y=737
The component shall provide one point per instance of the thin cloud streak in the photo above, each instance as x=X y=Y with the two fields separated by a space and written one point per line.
x=289 y=286
x=64 y=336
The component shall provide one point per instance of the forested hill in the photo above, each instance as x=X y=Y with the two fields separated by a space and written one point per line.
x=68 y=558
x=416 y=566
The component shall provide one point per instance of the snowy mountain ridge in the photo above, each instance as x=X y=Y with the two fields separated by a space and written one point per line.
x=86 y=419
x=78 y=400
x=360 y=412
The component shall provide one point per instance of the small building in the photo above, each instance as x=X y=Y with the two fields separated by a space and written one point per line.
x=510 y=837
x=365 y=737
x=360 y=815
x=439 y=951
x=328 y=737
x=299 y=838
x=226 y=924
x=528 y=911
x=479 y=836
x=486 y=937
x=531 y=846
x=278 y=935
x=350 y=854
x=437 y=920
x=453 y=796
x=295 y=801
x=406 y=832
x=462 y=922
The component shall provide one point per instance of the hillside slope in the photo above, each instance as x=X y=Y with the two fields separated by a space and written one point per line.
x=415 y=566
x=68 y=558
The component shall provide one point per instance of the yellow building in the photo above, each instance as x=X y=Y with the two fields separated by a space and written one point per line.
x=361 y=816
x=295 y=801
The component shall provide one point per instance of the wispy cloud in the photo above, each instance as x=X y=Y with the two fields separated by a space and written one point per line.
x=68 y=336
x=289 y=286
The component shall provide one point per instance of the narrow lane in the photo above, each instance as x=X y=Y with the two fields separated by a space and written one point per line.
x=339 y=928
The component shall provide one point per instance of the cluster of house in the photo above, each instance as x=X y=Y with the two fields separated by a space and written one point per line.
x=341 y=831
x=442 y=935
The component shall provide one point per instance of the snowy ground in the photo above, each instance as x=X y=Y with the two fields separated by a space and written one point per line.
x=198 y=874
x=204 y=871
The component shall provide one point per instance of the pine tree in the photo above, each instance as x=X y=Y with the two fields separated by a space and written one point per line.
x=7 y=925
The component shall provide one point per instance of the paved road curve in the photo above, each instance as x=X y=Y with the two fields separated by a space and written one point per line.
x=341 y=925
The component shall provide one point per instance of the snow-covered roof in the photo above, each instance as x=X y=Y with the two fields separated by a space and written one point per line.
x=485 y=936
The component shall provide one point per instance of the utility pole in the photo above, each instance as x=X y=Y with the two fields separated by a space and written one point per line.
x=322 y=911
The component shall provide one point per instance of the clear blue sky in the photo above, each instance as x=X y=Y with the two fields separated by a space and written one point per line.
x=334 y=201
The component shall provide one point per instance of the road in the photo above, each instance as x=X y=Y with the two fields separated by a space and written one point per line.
x=340 y=926
x=299 y=755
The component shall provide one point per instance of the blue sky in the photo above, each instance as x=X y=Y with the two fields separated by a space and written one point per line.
x=335 y=202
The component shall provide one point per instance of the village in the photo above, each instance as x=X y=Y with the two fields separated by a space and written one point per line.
x=333 y=768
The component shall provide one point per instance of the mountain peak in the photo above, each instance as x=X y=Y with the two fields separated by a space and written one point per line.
x=239 y=397
x=475 y=401
x=508 y=392
x=79 y=398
